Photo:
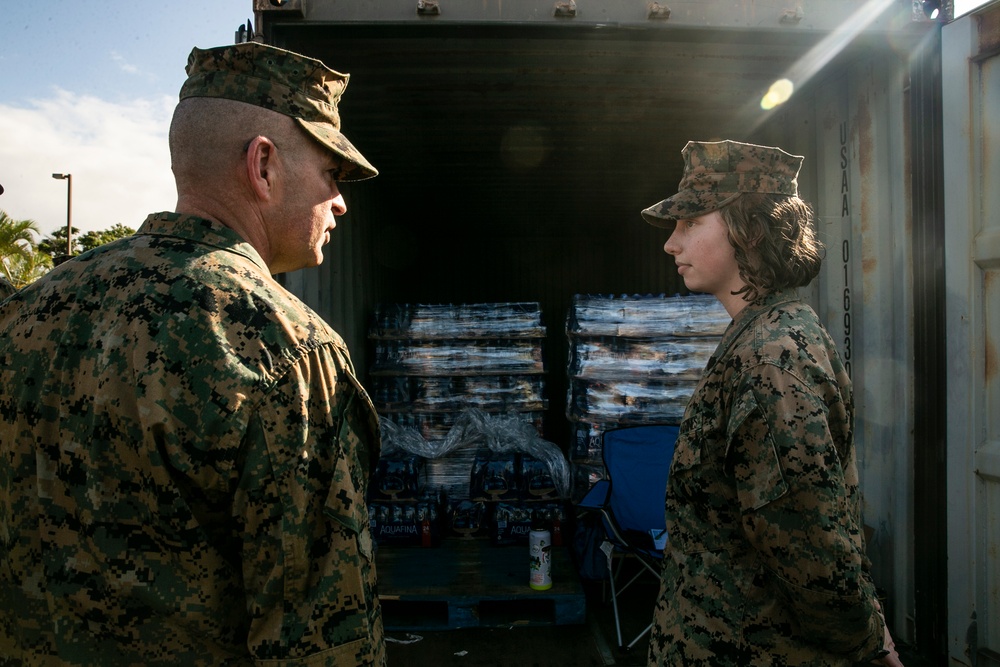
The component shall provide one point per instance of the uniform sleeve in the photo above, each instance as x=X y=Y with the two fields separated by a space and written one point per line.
x=307 y=549
x=799 y=510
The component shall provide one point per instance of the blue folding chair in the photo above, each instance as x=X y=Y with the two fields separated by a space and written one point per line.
x=630 y=502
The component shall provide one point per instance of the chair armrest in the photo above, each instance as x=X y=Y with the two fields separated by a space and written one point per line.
x=597 y=498
x=659 y=538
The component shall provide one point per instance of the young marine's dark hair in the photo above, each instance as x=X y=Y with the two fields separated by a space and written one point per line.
x=776 y=245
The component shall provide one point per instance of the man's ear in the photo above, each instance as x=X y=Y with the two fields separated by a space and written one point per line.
x=260 y=166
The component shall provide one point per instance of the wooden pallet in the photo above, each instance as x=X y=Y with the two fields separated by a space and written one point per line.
x=471 y=583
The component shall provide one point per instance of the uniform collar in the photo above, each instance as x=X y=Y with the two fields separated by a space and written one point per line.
x=746 y=317
x=200 y=230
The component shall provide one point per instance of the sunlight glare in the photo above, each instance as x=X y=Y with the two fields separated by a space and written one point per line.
x=779 y=93
x=823 y=52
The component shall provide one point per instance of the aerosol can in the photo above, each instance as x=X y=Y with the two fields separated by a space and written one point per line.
x=540 y=557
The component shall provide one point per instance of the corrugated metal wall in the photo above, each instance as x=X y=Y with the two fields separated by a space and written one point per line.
x=970 y=235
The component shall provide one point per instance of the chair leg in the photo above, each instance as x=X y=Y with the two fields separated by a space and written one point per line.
x=644 y=568
x=609 y=551
x=639 y=636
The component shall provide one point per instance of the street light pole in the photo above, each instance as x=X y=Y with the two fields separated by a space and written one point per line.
x=69 y=210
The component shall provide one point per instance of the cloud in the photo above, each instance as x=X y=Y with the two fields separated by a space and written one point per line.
x=124 y=64
x=117 y=154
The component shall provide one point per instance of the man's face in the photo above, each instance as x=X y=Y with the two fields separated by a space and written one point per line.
x=309 y=201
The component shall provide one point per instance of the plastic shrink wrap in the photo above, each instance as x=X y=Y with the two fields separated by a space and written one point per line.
x=433 y=361
x=485 y=459
x=636 y=359
x=633 y=360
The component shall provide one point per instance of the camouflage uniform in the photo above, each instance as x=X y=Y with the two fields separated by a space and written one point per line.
x=185 y=452
x=6 y=289
x=765 y=564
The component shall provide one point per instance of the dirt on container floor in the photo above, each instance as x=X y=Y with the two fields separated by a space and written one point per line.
x=589 y=644
x=592 y=643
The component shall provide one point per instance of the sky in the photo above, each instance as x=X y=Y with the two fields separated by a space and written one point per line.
x=87 y=88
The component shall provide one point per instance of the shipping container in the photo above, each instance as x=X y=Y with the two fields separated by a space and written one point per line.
x=517 y=141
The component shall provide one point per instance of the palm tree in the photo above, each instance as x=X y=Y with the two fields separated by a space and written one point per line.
x=28 y=270
x=17 y=246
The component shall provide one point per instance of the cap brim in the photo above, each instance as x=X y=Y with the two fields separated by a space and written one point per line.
x=354 y=166
x=685 y=205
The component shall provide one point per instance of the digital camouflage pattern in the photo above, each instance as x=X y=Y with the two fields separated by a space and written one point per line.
x=291 y=84
x=185 y=455
x=765 y=563
x=716 y=173
x=6 y=289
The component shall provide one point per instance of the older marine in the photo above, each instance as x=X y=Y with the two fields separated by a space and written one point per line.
x=185 y=445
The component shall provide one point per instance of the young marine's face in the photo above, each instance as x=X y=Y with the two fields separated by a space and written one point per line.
x=311 y=202
x=705 y=258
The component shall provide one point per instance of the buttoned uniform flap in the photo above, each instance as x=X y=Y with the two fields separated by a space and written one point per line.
x=752 y=453
x=695 y=428
x=700 y=498
x=345 y=504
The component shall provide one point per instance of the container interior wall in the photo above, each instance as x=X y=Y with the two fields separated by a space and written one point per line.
x=553 y=223
x=379 y=256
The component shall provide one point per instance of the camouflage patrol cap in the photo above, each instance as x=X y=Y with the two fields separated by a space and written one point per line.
x=716 y=173
x=266 y=76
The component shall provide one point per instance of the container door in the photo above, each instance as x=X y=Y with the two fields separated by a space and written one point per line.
x=971 y=115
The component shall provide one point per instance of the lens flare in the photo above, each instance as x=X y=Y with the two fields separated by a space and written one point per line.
x=779 y=93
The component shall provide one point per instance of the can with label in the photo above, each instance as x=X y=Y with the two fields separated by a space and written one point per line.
x=540 y=558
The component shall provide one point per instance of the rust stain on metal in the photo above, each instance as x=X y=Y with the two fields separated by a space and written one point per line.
x=565 y=9
x=655 y=10
x=428 y=8
x=988 y=24
x=829 y=121
x=908 y=170
x=991 y=360
x=863 y=126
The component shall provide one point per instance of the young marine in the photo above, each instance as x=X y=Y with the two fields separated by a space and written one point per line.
x=765 y=563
